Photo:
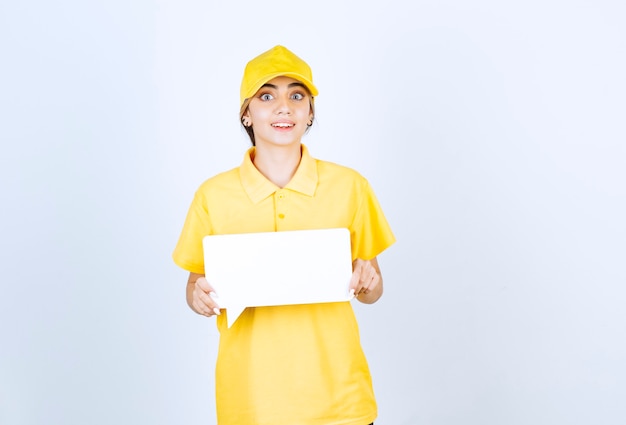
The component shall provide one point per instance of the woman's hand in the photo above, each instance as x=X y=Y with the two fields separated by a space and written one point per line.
x=201 y=296
x=366 y=282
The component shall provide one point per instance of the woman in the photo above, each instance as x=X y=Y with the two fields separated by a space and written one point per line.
x=292 y=364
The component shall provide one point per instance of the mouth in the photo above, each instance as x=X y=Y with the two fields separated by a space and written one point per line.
x=282 y=124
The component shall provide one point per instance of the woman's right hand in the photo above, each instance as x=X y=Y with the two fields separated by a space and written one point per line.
x=201 y=296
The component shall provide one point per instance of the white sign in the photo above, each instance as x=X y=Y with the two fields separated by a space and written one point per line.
x=278 y=268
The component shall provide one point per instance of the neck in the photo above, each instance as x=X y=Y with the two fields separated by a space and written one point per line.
x=277 y=163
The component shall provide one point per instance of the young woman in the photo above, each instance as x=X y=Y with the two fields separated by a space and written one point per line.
x=291 y=364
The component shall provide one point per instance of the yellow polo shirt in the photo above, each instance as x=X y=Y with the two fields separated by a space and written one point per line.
x=295 y=364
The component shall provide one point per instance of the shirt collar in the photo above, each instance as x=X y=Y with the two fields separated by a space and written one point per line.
x=258 y=187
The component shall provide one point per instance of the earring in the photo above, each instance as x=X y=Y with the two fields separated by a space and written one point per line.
x=310 y=123
x=246 y=122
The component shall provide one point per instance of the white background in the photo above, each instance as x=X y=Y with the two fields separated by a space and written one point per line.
x=492 y=132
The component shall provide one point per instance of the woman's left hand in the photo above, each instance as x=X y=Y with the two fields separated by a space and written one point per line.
x=366 y=282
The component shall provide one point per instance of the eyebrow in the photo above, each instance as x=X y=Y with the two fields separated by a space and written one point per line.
x=296 y=84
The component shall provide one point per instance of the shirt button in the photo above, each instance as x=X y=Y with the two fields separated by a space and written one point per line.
x=281 y=196
x=281 y=215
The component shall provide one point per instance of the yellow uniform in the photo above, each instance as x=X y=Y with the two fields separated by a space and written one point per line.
x=296 y=364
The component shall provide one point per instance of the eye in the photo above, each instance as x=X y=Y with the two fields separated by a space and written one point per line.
x=266 y=97
x=297 y=96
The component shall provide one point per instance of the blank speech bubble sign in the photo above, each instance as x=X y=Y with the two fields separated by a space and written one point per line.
x=278 y=268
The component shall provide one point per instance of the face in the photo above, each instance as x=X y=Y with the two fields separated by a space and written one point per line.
x=279 y=112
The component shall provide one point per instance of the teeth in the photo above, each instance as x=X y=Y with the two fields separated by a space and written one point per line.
x=281 y=124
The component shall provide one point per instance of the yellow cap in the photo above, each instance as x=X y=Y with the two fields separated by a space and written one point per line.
x=276 y=62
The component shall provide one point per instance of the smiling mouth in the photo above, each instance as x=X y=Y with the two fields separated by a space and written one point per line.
x=282 y=125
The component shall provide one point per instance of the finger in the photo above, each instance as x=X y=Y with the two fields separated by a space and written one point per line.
x=203 y=298
x=204 y=302
x=204 y=285
x=371 y=279
x=208 y=300
x=202 y=308
x=356 y=275
x=365 y=278
x=201 y=284
x=206 y=310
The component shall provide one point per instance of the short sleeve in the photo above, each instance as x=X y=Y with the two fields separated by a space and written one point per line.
x=370 y=232
x=189 y=253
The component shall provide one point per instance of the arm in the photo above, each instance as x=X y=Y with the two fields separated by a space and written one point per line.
x=200 y=296
x=367 y=281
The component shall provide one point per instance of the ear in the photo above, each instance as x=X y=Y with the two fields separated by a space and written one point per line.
x=246 y=120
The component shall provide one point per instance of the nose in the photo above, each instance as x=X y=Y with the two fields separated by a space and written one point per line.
x=283 y=106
